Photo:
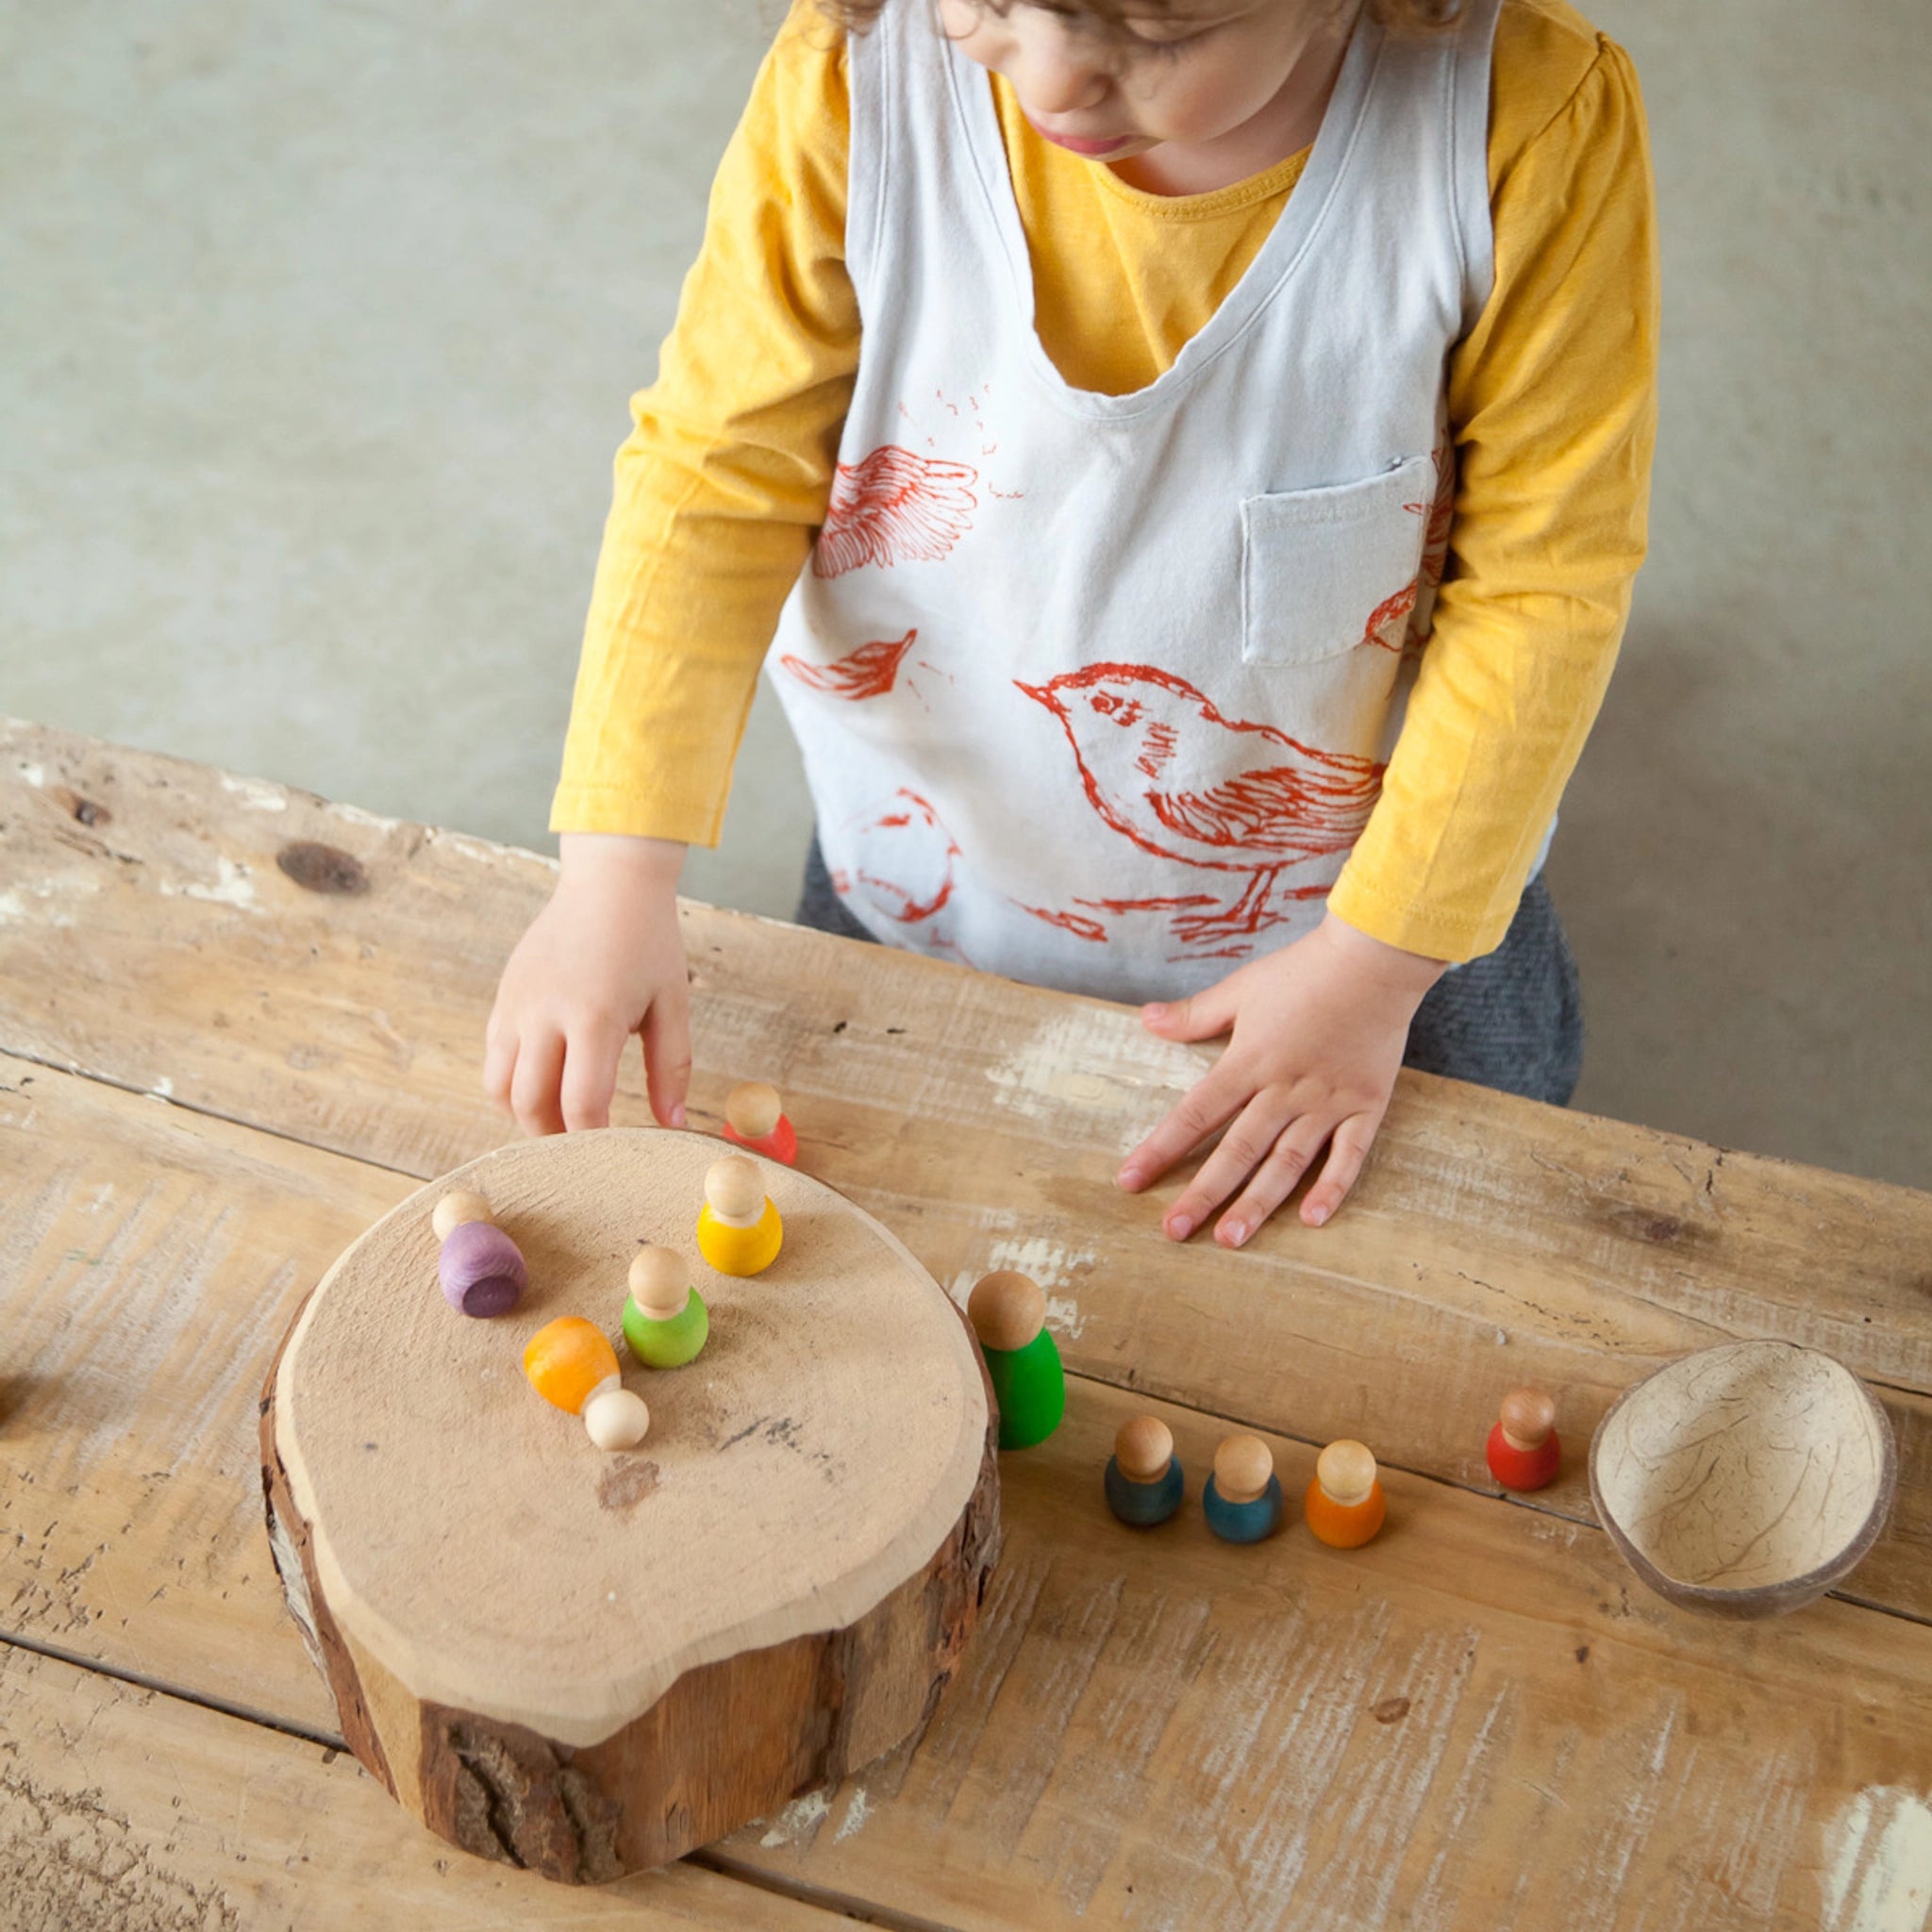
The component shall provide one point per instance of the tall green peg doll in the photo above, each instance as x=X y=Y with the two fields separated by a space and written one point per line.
x=1009 y=1315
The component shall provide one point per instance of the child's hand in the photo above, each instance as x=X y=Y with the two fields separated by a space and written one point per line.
x=603 y=960
x=1317 y=1032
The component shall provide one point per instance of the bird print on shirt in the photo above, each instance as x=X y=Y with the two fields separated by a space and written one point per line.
x=1388 y=625
x=898 y=862
x=1163 y=767
x=1397 y=624
x=1439 y=516
x=895 y=507
x=868 y=671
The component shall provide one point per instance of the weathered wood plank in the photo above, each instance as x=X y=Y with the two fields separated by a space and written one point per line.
x=124 y=1810
x=781 y=1610
x=150 y=1260
x=1491 y=1240
x=1479 y=1722
x=1150 y=1729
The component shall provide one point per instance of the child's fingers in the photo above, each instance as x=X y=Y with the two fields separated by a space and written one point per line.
x=667 y=1054
x=1242 y=1149
x=499 y=1062
x=1207 y=1013
x=1294 y=1152
x=589 y=1074
x=1207 y=1107
x=533 y=1087
x=1353 y=1140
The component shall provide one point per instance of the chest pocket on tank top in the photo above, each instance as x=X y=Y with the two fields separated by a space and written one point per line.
x=1325 y=571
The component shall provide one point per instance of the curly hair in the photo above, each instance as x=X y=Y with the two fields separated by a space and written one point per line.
x=1415 y=16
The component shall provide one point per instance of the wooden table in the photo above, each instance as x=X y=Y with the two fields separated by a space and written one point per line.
x=237 y=1023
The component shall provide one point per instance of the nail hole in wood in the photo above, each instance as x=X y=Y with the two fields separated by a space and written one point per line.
x=83 y=810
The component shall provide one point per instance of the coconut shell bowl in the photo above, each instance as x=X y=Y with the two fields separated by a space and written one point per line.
x=1744 y=1480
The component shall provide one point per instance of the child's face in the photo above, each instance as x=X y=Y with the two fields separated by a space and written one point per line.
x=1190 y=73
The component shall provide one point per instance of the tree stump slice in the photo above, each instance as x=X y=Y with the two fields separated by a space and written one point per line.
x=587 y=1663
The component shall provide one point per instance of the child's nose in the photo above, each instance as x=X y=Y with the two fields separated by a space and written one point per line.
x=1052 y=76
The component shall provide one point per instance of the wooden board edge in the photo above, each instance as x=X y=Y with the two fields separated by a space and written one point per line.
x=633 y=1802
x=290 y=1546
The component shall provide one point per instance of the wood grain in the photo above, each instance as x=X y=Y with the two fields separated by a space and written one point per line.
x=1151 y=1728
x=1478 y=1721
x=126 y=1810
x=1491 y=1240
x=549 y=1663
x=150 y=1260
x=828 y=1441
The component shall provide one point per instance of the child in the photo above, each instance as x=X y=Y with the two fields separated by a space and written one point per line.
x=1201 y=451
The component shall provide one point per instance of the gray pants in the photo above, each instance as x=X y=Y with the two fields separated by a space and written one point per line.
x=1512 y=1019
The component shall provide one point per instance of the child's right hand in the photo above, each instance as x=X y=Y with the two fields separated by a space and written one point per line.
x=603 y=960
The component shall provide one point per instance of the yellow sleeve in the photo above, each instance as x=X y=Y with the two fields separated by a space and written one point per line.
x=728 y=469
x=1553 y=408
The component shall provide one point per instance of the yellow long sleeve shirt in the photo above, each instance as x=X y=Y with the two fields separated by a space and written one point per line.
x=1552 y=408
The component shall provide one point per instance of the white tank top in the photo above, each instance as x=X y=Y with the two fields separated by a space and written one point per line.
x=1095 y=691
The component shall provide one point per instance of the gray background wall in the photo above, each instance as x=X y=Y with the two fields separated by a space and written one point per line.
x=318 y=326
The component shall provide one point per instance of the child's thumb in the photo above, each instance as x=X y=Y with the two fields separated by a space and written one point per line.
x=1198 y=1018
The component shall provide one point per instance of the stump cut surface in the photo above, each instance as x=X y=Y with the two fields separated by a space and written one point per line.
x=473 y=1541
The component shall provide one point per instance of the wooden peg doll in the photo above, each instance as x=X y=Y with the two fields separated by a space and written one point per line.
x=739 y=1229
x=665 y=1320
x=479 y=1266
x=1242 y=1500
x=1345 y=1503
x=1009 y=1315
x=571 y=1365
x=755 y=1119
x=1524 y=1451
x=1144 y=1479
x=456 y=1206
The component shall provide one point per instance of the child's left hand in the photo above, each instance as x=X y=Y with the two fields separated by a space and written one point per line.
x=1316 y=1035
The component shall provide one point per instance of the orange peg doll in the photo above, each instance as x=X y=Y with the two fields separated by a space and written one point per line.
x=571 y=1365
x=1345 y=1503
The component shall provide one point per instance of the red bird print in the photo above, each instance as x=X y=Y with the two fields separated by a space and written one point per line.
x=866 y=672
x=1388 y=623
x=1391 y=623
x=1440 y=516
x=895 y=507
x=901 y=860
x=1166 y=769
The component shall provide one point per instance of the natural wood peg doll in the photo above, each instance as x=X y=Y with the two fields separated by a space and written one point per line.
x=1524 y=1451
x=1345 y=1504
x=481 y=1269
x=739 y=1229
x=1022 y=1361
x=1242 y=1500
x=1144 y=1480
x=755 y=1119
x=571 y=1365
x=665 y=1320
